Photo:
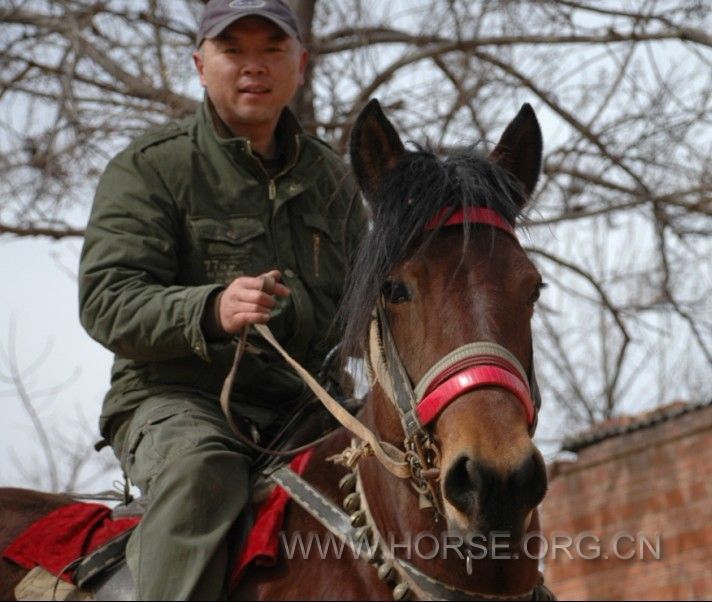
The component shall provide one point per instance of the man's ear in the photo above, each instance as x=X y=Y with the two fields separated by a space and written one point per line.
x=199 y=65
x=303 y=60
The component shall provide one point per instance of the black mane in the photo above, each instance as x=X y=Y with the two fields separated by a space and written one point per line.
x=420 y=185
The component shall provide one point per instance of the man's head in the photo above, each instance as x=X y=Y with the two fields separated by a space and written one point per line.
x=251 y=62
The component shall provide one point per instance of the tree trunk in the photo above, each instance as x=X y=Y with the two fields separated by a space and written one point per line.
x=303 y=102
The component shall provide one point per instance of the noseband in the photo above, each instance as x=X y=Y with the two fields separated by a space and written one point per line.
x=469 y=367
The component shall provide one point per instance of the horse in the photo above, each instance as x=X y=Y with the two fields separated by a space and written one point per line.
x=440 y=294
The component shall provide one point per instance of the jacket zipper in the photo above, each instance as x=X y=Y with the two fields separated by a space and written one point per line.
x=272 y=196
x=271 y=181
x=272 y=186
x=316 y=247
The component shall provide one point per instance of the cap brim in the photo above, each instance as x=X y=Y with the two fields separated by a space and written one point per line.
x=221 y=26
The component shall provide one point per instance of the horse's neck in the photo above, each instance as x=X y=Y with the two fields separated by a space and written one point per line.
x=394 y=506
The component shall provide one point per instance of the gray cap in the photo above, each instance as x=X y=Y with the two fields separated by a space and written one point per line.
x=219 y=14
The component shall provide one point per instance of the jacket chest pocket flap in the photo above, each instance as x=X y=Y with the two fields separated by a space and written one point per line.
x=223 y=238
x=227 y=246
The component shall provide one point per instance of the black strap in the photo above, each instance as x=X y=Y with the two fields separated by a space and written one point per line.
x=535 y=393
x=102 y=559
x=402 y=387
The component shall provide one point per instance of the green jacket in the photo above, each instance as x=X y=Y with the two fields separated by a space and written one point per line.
x=180 y=213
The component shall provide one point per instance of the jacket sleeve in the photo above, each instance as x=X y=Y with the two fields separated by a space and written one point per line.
x=129 y=299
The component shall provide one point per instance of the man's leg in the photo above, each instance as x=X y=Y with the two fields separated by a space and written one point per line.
x=181 y=454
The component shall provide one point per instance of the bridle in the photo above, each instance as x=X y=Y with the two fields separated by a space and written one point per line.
x=471 y=366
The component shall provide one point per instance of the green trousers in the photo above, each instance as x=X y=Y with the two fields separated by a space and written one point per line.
x=181 y=453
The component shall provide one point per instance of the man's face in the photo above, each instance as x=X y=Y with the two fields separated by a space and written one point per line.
x=251 y=71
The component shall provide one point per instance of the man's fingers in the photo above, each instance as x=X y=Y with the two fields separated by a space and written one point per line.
x=252 y=296
x=271 y=284
x=248 y=282
x=268 y=284
x=281 y=291
x=250 y=300
x=251 y=308
x=236 y=322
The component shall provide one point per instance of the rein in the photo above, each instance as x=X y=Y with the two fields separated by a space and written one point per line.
x=390 y=456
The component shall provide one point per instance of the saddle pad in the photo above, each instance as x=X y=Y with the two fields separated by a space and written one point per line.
x=65 y=535
x=58 y=540
x=262 y=545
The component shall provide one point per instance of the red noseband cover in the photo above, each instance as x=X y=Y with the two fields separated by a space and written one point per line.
x=436 y=400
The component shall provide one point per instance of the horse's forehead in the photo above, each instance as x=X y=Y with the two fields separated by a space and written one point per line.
x=489 y=255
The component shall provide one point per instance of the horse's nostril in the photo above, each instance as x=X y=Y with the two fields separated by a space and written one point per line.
x=462 y=483
x=530 y=480
x=525 y=474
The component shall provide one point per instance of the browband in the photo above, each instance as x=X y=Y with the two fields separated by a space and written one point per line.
x=473 y=215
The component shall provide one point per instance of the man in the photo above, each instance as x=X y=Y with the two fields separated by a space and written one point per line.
x=184 y=223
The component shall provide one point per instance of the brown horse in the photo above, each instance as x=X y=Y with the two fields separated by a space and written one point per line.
x=443 y=272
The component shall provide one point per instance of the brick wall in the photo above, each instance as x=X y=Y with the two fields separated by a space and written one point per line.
x=654 y=484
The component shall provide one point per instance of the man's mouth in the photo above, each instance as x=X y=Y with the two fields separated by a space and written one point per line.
x=254 y=89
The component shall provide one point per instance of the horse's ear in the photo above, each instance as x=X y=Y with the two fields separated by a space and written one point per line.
x=375 y=147
x=520 y=148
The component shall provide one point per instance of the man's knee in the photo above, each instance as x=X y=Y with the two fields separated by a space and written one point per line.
x=208 y=473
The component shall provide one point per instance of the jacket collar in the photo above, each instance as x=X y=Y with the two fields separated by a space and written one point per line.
x=287 y=132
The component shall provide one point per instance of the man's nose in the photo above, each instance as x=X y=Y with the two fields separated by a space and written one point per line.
x=254 y=63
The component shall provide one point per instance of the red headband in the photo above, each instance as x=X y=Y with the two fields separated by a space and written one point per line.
x=473 y=215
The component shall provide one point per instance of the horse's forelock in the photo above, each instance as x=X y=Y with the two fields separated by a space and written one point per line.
x=419 y=186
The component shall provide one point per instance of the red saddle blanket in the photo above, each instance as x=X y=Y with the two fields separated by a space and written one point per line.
x=63 y=536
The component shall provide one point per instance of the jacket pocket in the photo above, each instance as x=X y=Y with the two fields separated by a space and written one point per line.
x=227 y=246
x=321 y=254
x=162 y=435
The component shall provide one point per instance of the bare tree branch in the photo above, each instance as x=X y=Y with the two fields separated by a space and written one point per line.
x=623 y=215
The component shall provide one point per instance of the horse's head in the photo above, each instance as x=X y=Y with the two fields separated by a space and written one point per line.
x=443 y=281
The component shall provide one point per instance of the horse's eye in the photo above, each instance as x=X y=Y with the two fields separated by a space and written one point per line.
x=537 y=292
x=395 y=292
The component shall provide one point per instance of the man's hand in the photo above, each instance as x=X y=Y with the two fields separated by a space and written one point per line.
x=248 y=301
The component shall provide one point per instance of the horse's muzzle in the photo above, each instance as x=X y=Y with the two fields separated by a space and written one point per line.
x=491 y=500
